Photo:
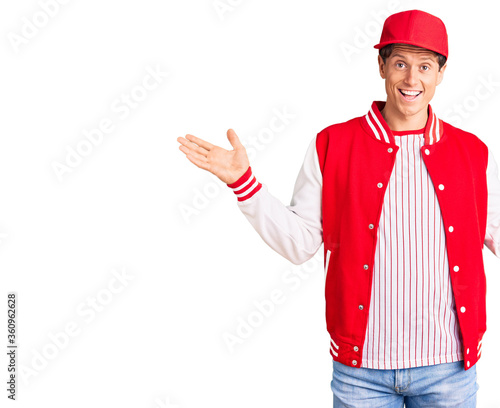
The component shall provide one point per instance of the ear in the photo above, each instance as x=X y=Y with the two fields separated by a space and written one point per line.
x=381 y=67
x=441 y=74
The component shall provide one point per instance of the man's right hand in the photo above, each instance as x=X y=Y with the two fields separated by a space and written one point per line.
x=227 y=165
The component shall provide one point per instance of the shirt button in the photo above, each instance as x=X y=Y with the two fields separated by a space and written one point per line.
x=354 y=362
x=467 y=351
x=462 y=309
x=389 y=149
x=356 y=348
x=379 y=185
x=371 y=226
x=366 y=267
x=361 y=307
x=450 y=229
x=456 y=268
x=427 y=152
x=441 y=187
x=468 y=363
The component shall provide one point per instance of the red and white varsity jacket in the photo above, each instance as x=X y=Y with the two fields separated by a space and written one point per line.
x=337 y=200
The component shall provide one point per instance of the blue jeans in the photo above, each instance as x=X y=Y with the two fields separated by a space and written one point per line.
x=441 y=385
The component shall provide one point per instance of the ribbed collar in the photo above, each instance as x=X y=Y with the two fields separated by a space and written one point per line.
x=376 y=125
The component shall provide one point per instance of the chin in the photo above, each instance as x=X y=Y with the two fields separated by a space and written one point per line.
x=409 y=111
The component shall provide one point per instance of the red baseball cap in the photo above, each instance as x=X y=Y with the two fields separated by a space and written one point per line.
x=417 y=28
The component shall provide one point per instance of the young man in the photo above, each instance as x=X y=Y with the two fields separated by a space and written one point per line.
x=403 y=203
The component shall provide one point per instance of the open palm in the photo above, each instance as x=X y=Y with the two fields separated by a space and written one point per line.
x=227 y=165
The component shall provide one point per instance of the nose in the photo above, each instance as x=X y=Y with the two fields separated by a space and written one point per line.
x=412 y=76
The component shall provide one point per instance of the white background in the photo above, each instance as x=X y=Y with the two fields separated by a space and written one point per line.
x=159 y=341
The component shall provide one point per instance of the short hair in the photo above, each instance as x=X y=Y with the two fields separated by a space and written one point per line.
x=385 y=52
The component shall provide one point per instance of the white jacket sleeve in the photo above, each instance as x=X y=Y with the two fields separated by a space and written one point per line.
x=294 y=231
x=492 y=238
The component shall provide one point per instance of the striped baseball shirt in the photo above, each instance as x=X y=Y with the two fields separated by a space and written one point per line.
x=412 y=320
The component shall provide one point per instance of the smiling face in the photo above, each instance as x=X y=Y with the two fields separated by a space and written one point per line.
x=411 y=75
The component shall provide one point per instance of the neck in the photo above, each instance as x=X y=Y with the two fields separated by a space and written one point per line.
x=399 y=122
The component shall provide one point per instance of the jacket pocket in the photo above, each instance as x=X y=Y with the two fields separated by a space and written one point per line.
x=327 y=262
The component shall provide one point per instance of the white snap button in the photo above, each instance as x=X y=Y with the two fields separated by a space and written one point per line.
x=354 y=362
x=450 y=229
x=456 y=268
x=356 y=348
x=371 y=226
x=389 y=149
x=427 y=152
x=360 y=307
x=366 y=267
x=462 y=309
x=468 y=363
x=467 y=351
x=379 y=185
x=441 y=187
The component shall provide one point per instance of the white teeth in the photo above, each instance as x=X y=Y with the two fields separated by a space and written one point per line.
x=410 y=93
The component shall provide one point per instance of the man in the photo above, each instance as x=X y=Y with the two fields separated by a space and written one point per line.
x=403 y=203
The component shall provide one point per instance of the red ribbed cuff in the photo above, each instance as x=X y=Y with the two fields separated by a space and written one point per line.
x=246 y=186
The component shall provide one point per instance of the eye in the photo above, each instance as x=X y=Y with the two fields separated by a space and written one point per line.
x=426 y=68
x=400 y=65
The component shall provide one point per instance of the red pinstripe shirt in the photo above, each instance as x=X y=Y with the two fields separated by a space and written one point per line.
x=412 y=317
